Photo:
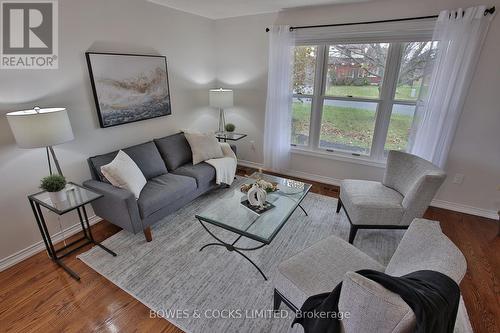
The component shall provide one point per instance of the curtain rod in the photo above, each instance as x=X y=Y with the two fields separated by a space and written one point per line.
x=486 y=12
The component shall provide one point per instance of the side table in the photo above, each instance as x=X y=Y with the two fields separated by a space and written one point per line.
x=77 y=197
x=231 y=136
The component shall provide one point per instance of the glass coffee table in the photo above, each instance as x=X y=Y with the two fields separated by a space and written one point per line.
x=229 y=213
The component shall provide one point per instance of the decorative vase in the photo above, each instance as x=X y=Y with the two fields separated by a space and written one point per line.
x=59 y=196
x=257 y=196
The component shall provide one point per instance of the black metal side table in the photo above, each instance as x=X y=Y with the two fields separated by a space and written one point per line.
x=77 y=197
x=231 y=136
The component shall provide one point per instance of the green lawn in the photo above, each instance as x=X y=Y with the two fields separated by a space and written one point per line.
x=350 y=126
x=403 y=92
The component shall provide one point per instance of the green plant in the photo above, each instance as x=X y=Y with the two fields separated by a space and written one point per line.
x=53 y=183
x=230 y=127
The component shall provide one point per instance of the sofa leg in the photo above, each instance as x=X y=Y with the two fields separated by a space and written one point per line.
x=147 y=233
x=276 y=300
x=339 y=205
x=352 y=233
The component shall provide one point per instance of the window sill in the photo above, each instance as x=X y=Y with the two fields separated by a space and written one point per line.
x=338 y=157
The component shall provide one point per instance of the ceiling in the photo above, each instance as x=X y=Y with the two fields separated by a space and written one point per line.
x=218 y=9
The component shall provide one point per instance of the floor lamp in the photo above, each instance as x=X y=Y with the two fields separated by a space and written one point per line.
x=221 y=98
x=41 y=128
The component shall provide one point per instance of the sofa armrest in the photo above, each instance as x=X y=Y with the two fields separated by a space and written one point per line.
x=118 y=206
x=233 y=148
x=228 y=150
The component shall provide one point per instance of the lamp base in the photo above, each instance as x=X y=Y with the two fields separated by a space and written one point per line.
x=222 y=120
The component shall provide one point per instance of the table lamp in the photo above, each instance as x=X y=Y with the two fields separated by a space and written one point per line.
x=221 y=98
x=41 y=128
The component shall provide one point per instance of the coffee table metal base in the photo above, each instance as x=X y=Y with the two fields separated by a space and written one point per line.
x=232 y=248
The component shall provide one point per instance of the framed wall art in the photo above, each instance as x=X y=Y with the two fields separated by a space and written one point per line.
x=129 y=87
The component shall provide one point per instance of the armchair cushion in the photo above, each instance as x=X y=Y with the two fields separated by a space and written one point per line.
x=319 y=268
x=369 y=202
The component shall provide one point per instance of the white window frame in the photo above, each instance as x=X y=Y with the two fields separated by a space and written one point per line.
x=386 y=100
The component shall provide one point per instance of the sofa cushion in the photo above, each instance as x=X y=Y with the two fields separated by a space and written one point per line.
x=203 y=172
x=319 y=268
x=162 y=191
x=145 y=155
x=424 y=246
x=369 y=202
x=371 y=306
x=174 y=150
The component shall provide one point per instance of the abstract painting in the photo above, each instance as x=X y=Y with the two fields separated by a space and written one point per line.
x=128 y=87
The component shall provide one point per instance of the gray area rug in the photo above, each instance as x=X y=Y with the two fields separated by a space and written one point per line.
x=191 y=288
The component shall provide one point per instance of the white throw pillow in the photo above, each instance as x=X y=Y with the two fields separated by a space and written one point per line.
x=123 y=172
x=204 y=146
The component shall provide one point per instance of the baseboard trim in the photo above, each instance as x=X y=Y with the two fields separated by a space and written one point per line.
x=40 y=246
x=461 y=208
x=466 y=209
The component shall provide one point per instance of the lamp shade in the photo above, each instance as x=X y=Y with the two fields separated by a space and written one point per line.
x=40 y=127
x=221 y=98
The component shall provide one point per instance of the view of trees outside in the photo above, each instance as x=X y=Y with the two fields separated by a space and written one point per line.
x=357 y=71
x=303 y=83
x=304 y=69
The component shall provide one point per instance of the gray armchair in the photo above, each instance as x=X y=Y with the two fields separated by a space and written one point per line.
x=406 y=191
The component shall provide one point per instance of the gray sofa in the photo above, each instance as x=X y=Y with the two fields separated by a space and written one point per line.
x=372 y=308
x=172 y=182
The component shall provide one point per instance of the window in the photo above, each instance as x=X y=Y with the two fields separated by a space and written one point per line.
x=303 y=87
x=357 y=98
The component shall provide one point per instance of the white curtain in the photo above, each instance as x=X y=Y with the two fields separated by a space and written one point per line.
x=277 y=130
x=460 y=35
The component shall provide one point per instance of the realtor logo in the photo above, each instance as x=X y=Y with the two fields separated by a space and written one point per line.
x=29 y=35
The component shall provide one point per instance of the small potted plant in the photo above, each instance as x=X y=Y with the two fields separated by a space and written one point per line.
x=230 y=127
x=54 y=184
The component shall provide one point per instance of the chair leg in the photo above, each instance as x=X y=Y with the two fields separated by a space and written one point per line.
x=352 y=233
x=147 y=234
x=339 y=205
x=276 y=300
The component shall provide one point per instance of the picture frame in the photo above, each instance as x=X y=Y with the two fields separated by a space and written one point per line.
x=129 y=87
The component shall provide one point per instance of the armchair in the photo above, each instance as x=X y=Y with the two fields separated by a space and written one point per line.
x=407 y=189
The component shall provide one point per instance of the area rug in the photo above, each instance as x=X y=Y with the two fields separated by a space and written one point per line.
x=216 y=290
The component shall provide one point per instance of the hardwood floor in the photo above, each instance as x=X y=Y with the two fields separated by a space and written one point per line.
x=37 y=296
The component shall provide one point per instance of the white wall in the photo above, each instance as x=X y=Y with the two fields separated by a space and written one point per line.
x=129 y=26
x=242 y=64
